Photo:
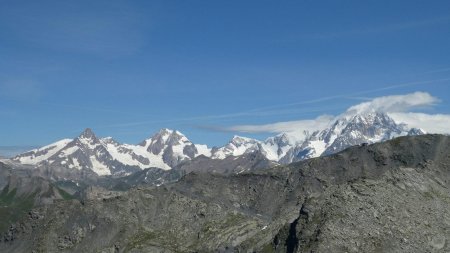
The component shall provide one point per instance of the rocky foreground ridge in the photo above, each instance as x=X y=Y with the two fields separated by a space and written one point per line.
x=387 y=197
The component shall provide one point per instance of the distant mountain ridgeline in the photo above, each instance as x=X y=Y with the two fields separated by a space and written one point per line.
x=88 y=155
x=11 y=151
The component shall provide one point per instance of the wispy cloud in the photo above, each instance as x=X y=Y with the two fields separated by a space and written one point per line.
x=6 y=112
x=432 y=123
x=396 y=103
x=298 y=128
x=437 y=71
x=246 y=114
x=375 y=30
x=354 y=94
x=112 y=28
x=399 y=106
x=20 y=89
x=277 y=109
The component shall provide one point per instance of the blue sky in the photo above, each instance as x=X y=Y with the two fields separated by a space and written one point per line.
x=129 y=68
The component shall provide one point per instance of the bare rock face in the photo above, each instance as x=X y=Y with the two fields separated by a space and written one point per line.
x=387 y=197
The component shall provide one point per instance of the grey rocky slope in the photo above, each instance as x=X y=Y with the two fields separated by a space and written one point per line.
x=230 y=165
x=387 y=197
x=20 y=191
x=155 y=176
x=87 y=155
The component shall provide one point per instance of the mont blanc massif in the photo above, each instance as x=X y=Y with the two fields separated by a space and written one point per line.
x=168 y=149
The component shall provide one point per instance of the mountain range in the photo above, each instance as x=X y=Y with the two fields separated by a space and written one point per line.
x=167 y=149
x=391 y=196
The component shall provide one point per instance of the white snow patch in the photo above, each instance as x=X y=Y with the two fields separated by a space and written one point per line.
x=68 y=151
x=155 y=160
x=99 y=167
x=236 y=147
x=88 y=142
x=76 y=164
x=318 y=146
x=178 y=151
x=203 y=150
x=50 y=150
x=123 y=154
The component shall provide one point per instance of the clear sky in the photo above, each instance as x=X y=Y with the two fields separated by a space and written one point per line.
x=128 y=68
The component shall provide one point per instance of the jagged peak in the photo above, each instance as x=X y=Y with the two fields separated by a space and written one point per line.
x=109 y=139
x=241 y=140
x=162 y=133
x=351 y=115
x=166 y=136
x=165 y=132
x=283 y=137
x=87 y=134
x=416 y=131
x=280 y=139
x=367 y=117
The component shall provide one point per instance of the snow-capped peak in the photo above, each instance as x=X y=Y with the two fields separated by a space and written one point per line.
x=87 y=134
x=368 y=127
x=163 y=137
x=88 y=140
x=237 y=146
x=239 y=141
x=173 y=147
x=282 y=139
x=416 y=131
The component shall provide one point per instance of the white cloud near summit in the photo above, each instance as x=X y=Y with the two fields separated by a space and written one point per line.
x=399 y=107
x=431 y=123
x=297 y=127
x=395 y=103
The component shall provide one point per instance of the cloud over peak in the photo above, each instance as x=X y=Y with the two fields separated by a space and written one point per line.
x=297 y=128
x=399 y=107
x=395 y=103
x=431 y=123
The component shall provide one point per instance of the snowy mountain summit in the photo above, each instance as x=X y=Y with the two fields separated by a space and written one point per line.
x=164 y=150
x=341 y=133
x=168 y=148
